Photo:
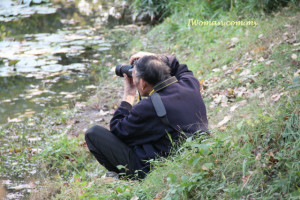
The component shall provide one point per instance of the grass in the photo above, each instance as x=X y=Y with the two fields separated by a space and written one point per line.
x=255 y=155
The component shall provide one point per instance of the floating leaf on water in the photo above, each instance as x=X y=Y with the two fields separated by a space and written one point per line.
x=90 y=87
x=37 y=1
x=37 y=52
x=103 y=49
x=6 y=101
x=77 y=66
x=28 y=114
x=36 y=92
x=46 y=10
x=64 y=93
x=13 y=62
x=52 y=68
x=78 y=42
x=58 y=50
x=75 y=37
x=69 y=96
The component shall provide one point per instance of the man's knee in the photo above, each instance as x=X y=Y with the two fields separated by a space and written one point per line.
x=93 y=131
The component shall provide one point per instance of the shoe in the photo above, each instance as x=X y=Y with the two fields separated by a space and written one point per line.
x=111 y=174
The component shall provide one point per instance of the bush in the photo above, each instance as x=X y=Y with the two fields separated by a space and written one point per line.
x=156 y=10
x=153 y=10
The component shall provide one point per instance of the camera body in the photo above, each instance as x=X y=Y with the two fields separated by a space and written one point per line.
x=124 y=69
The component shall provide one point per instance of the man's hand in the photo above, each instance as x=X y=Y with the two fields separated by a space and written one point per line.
x=139 y=55
x=129 y=90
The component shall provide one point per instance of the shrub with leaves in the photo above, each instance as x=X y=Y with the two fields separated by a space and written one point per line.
x=151 y=10
x=207 y=9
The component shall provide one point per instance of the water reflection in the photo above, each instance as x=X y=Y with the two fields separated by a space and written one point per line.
x=46 y=57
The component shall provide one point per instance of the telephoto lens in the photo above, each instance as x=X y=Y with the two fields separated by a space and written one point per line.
x=124 y=69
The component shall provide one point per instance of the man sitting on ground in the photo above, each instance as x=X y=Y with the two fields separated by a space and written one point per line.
x=145 y=131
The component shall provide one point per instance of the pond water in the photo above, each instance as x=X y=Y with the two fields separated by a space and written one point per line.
x=50 y=53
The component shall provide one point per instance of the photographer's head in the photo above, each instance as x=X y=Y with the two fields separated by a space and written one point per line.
x=148 y=71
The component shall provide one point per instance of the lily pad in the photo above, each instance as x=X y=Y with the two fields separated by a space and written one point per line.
x=52 y=68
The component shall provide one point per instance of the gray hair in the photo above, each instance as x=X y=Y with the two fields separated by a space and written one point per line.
x=152 y=69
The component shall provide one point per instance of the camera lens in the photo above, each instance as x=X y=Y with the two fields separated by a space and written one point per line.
x=124 y=69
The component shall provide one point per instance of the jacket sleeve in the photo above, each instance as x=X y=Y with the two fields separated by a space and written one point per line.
x=177 y=69
x=181 y=72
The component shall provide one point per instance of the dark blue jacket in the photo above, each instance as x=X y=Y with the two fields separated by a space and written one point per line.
x=140 y=128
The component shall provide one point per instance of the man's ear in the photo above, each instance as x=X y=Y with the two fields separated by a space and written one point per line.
x=144 y=84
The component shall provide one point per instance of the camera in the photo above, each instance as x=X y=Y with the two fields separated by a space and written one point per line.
x=124 y=69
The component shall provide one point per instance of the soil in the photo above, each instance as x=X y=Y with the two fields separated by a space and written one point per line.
x=97 y=111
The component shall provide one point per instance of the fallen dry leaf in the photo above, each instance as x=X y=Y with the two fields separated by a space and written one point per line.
x=16 y=120
x=216 y=70
x=232 y=108
x=23 y=186
x=159 y=195
x=223 y=128
x=224 y=121
x=270 y=154
x=135 y=198
x=103 y=113
x=294 y=56
x=204 y=168
x=245 y=179
x=245 y=72
x=258 y=156
x=276 y=97
x=269 y=62
x=99 y=120
x=261 y=59
x=259 y=49
x=237 y=70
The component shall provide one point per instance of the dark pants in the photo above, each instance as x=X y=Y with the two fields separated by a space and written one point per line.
x=110 y=151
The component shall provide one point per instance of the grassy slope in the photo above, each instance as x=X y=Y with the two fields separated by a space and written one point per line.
x=255 y=154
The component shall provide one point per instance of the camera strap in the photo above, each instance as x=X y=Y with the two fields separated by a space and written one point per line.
x=163 y=84
x=157 y=102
